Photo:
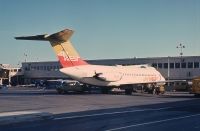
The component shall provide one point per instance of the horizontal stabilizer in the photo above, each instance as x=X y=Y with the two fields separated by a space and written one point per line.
x=37 y=37
x=61 y=36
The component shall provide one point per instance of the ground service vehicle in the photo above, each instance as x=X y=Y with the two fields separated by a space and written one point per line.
x=196 y=86
x=71 y=86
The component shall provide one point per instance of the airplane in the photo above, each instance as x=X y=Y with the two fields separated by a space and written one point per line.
x=106 y=77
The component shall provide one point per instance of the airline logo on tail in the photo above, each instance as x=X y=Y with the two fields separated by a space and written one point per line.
x=64 y=55
x=69 y=61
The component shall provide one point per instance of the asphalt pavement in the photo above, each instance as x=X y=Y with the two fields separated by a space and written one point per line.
x=96 y=112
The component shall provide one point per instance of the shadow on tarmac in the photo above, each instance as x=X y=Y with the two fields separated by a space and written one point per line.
x=192 y=106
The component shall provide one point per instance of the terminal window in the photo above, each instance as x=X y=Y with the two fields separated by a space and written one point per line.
x=190 y=64
x=183 y=65
x=171 y=65
x=165 y=65
x=4 y=73
x=27 y=69
x=154 y=65
x=177 y=65
x=159 y=65
x=196 y=64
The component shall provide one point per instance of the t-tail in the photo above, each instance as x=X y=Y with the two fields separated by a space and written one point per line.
x=63 y=48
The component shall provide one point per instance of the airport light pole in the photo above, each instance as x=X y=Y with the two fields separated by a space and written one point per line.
x=25 y=55
x=181 y=47
x=168 y=71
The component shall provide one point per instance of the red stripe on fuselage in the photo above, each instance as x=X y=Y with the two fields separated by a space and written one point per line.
x=71 y=61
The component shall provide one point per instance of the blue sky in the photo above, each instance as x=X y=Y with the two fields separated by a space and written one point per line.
x=103 y=28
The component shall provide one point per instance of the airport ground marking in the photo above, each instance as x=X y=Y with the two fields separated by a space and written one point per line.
x=110 y=113
x=15 y=113
x=153 y=122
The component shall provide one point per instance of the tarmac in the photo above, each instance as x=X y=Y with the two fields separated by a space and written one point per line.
x=7 y=118
x=20 y=105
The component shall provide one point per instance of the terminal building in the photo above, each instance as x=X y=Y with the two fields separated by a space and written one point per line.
x=10 y=75
x=172 y=68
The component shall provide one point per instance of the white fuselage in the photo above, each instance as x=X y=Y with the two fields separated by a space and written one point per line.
x=113 y=75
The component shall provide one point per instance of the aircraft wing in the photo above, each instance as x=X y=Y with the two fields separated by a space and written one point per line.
x=168 y=81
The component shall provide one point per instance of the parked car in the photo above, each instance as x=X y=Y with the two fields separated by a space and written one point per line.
x=71 y=85
x=3 y=86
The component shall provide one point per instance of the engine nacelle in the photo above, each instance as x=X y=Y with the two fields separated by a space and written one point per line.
x=110 y=77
